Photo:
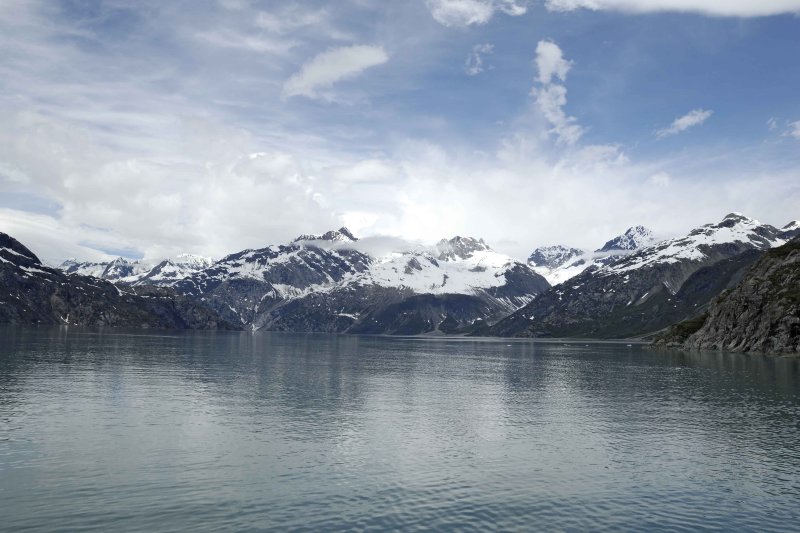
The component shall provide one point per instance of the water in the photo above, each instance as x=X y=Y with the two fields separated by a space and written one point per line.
x=208 y=431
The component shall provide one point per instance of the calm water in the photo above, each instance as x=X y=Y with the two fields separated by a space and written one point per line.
x=203 y=431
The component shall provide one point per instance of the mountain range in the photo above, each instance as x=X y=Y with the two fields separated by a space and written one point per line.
x=33 y=293
x=649 y=289
x=137 y=272
x=631 y=286
x=559 y=263
x=331 y=283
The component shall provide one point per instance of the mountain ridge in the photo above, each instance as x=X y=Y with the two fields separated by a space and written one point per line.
x=32 y=293
x=761 y=313
x=611 y=300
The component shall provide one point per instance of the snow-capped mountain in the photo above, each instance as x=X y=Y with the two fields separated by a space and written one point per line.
x=124 y=270
x=83 y=268
x=702 y=244
x=633 y=239
x=134 y=272
x=33 y=293
x=549 y=258
x=460 y=248
x=791 y=229
x=558 y=264
x=169 y=271
x=341 y=235
x=650 y=288
x=327 y=283
x=119 y=270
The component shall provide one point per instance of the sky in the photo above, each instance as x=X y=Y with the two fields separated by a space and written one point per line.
x=149 y=128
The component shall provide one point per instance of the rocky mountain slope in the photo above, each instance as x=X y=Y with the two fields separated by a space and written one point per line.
x=329 y=283
x=649 y=289
x=31 y=293
x=761 y=313
x=558 y=264
x=549 y=258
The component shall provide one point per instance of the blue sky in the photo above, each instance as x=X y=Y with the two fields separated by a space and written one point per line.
x=150 y=128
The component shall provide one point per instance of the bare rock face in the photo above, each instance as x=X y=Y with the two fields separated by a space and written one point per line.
x=762 y=313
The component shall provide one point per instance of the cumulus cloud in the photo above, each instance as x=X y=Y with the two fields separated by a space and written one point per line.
x=582 y=198
x=332 y=66
x=468 y=12
x=689 y=120
x=474 y=63
x=551 y=97
x=219 y=195
x=723 y=8
x=550 y=62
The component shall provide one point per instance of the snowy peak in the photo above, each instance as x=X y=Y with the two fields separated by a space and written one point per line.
x=735 y=227
x=191 y=261
x=121 y=269
x=793 y=225
x=460 y=248
x=83 y=268
x=790 y=230
x=633 y=239
x=135 y=272
x=734 y=234
x=341 y=235
x=552 y=257
x=734 y=218
x=560 y=263
x=177 y=268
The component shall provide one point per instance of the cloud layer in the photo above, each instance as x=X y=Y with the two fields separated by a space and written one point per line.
x=724 y=8
x=154 y=128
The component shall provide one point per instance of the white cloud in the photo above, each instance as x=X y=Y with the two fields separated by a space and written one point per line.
x=794 y=129
x=332 y=66
x=582 y=198
x=468 y=12
x=552 y=97
x=474 y=63
x=724 y=8
x=689 y=120
x=550 y=62
x=217 y=195
x=53 y=241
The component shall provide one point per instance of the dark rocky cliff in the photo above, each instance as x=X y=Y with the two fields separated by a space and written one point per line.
x=762 y=313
